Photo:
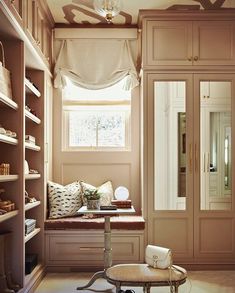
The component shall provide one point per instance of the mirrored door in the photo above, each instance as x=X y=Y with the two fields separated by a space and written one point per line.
x=215 y=145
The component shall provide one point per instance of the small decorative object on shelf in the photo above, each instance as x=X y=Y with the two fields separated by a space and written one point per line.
x=32 y=171
x=29 y=199
x=26 y=167
x=121 y=193
x=31 y=261
x=5 y=76
x=5 y=169
x=30 y=139
x=7 y=132
x=30 y=225
x=30 y=110
x=6 y=205
x=93 y=199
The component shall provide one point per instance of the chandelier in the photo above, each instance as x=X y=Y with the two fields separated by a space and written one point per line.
x=108 y=8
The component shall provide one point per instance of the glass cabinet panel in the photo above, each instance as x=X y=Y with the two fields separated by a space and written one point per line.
x=215 y=137
x=170 y=145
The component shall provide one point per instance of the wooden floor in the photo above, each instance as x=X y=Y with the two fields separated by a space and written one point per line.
x=198 y=282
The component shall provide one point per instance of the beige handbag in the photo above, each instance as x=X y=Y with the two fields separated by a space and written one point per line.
x=5 y=76
x=158 y=257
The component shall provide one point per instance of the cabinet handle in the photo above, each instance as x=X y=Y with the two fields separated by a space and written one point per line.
x=196 y=157
x=208 y=162
x=190 y=58
x=190 y=158
x=204 y=162
x=195 y=58
x=12 y=1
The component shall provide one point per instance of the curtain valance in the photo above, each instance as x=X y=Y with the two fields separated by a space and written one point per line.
x=95 y=63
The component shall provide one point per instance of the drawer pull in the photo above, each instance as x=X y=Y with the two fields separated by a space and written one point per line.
x=195 y=58
x=91 y=249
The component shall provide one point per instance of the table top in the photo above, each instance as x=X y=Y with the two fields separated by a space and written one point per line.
x=84 y=210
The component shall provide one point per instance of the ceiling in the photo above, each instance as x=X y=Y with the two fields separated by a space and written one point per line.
x=82 y=11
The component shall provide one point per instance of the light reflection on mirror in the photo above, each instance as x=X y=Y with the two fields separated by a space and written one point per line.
x=170 y=145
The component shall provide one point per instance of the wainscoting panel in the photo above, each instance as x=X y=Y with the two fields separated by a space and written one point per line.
x=216 y=236
x=174 y=231
x=85 y=248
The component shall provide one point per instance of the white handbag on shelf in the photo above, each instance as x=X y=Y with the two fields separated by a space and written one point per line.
x=158 y=257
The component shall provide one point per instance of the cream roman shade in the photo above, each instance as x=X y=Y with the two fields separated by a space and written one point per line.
x=95 y=63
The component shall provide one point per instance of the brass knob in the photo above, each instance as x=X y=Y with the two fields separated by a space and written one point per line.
x=195 y=58
x=12 y=1
x=190 y=58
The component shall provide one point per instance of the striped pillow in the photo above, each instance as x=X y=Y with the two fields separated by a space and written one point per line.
x=64 y=201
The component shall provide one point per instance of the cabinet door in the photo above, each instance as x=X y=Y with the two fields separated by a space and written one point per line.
x=29 y=17
x=47 y=44
x=38 y=24
x=213 y=43
x=168 y=43
x=16 y=8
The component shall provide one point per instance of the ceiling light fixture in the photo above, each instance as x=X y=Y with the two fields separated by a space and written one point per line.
x=108 y=8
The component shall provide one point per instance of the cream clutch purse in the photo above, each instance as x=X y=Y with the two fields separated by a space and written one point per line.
x=158 y=257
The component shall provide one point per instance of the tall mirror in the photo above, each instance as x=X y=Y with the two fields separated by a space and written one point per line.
x=215 y=137
x=170 y=145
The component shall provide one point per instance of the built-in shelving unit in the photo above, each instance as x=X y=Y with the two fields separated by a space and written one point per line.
x=8 y=216
x=24 y=115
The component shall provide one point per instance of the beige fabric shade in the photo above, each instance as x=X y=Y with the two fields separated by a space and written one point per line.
x=95 y=63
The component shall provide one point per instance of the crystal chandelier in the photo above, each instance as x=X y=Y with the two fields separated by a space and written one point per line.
x=108 y=8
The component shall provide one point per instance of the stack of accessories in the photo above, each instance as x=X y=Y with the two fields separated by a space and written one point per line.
x=6 y=205
x=29 y=199
x=122 y=204
x=30 y=225
x=4 y=169
x=30 y=139
x=7 y=132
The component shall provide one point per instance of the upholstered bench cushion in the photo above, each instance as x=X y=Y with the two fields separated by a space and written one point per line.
x=119 y=222
x=144 y=273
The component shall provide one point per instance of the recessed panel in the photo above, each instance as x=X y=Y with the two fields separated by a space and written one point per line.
x=172 y=233
x=216 y=236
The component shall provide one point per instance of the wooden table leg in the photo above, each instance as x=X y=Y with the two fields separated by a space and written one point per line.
x=107 y=243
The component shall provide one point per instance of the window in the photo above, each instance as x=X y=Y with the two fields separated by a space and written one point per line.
x=96 y=119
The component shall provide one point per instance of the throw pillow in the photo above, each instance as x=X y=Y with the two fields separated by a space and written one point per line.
x=105 y=190
x=64 y=201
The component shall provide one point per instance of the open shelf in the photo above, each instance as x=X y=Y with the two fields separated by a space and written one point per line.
x=36 y=271
x=8 y=216
x=32 y=234
x=32 y=205
x=6 y=178
x=8 y=102
x=32 y=117
x=32 y=176
x=31 y=89
x=32 y=147
x=8 y=139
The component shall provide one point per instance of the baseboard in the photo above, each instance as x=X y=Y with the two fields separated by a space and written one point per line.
x=207 y=267
x=33 y=283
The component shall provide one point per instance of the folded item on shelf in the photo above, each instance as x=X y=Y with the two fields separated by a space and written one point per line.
x=2 y=212
x=30 y=138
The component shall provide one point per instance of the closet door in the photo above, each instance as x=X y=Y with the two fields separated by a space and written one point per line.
x=168 y=107
x=213 y=173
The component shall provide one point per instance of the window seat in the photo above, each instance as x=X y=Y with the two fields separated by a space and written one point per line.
x=117 y=222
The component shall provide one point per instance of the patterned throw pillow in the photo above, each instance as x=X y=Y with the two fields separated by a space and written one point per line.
x=64 y=201
x=105 y=190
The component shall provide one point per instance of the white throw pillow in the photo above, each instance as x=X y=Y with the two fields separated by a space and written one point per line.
x=64 y=201
x=105 y=190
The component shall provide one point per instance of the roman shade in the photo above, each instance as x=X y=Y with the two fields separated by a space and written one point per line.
x=95 y=63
